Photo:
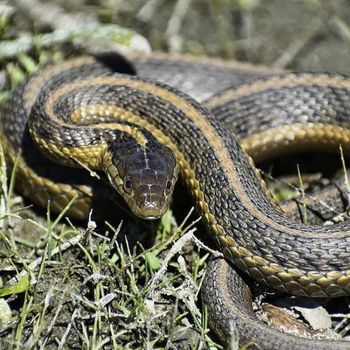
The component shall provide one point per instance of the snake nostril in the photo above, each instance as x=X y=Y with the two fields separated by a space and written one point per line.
x=150 y=200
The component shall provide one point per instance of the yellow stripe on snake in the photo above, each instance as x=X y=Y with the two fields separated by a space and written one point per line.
x=141 y=134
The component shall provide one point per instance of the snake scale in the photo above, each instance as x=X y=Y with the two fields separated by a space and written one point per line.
x=82 y=115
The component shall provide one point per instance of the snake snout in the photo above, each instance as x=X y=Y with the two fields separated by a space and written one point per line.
x=151 y=194
x=151 y=202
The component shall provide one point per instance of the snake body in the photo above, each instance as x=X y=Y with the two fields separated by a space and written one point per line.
x=229 y=194
x=290 y=112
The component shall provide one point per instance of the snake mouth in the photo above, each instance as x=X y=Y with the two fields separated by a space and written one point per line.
x=149 y=213
x=150 y=217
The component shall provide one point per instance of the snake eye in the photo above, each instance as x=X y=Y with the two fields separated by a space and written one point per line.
x=127 y=185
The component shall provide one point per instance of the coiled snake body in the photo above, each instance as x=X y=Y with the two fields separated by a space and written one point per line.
x=80 y=114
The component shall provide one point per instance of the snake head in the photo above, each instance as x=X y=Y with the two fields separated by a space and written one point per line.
x=144 y=176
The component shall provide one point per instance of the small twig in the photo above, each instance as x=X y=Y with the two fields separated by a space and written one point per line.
x=340 y=27
x=178 y=245
x=67 y=331
x=50 y=14
x=120 y=37
x=148 y=10
x=54 y=319
x=297 y=189
x=346 y=178
x=172 y=32
x=234 y=336
x=84 y=166
x=289 y=55
x=302 y=195
x=33 y=266
x=201 y=245
x=4 y=188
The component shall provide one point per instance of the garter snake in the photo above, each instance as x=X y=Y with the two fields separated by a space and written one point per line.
x=102 y=109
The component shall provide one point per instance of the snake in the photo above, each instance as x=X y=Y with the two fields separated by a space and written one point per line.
x=139 y=135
